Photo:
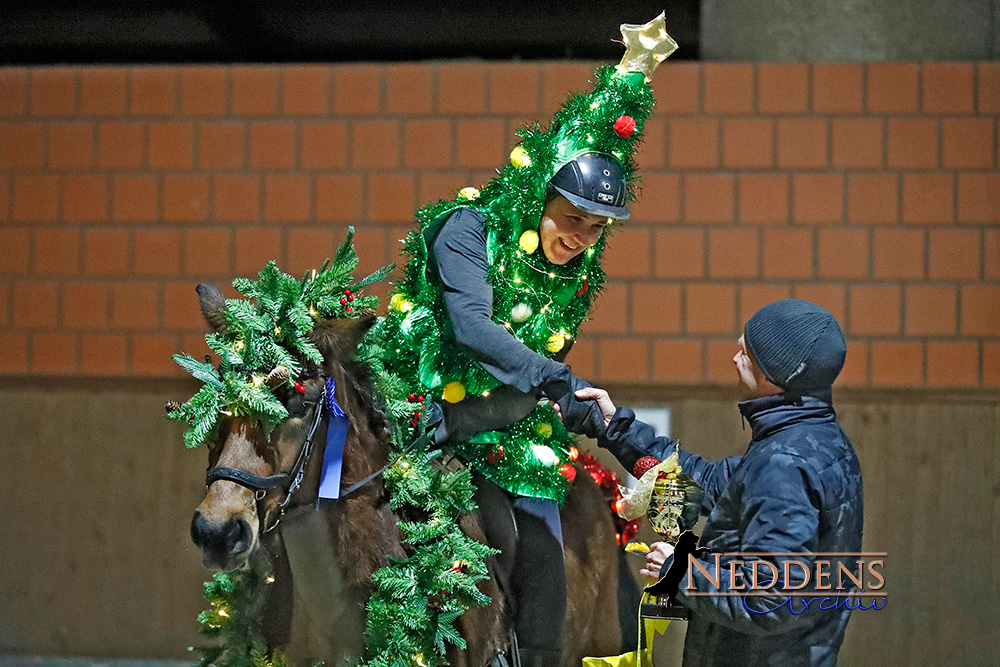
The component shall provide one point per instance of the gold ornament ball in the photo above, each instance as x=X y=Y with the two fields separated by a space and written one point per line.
x=544 y=430
x=454 y=392
x=555 y=343
x=519 y=157
x=400 y=304
x=468 y=193
x=529 y=241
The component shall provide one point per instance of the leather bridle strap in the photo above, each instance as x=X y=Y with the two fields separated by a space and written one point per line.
x=287 y=480
x=243 y=478
x=416 y=444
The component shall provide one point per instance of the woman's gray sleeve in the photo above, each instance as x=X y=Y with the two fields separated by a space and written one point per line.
x=462 y=265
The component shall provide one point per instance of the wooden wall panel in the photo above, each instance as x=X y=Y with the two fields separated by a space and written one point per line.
x=95 y=558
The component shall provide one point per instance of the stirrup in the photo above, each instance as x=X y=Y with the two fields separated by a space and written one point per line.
x=508 y=657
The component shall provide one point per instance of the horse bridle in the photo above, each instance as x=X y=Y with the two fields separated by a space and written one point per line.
x=289 y=481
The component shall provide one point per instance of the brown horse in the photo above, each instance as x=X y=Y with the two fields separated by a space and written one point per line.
x=323 y=558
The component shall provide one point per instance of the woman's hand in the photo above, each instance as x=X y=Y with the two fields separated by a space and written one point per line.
x=602 y=397
x=659 y=552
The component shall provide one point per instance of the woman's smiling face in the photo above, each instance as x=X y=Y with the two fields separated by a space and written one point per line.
x=566 y=231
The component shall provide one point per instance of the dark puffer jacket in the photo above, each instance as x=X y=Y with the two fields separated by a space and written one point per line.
x=796 y=490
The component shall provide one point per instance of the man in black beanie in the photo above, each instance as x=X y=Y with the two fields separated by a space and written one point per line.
x=796 y=490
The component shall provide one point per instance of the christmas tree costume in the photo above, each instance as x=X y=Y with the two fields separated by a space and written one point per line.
x=483 y=317
x=531 y=308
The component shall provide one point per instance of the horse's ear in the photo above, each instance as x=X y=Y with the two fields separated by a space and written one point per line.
x=213 y=302
x=338 y=338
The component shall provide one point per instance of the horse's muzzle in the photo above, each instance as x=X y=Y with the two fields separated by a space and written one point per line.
x=222 y=544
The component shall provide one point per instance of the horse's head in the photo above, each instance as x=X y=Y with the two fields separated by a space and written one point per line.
x=226 y=526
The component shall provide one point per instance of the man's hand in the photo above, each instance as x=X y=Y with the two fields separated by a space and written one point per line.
x=604 y=403
x=658 y=555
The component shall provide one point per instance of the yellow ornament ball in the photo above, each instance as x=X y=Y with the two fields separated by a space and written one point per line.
x=529 y=241
x=468 y=193
x=519 y=157
x=454 y=392
x=544 y=430
x=555 y=343
x=400 y=304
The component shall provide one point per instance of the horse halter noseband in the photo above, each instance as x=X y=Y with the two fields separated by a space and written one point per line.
x=289 y=481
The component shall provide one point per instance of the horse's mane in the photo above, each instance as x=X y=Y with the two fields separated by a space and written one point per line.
x=362 y=523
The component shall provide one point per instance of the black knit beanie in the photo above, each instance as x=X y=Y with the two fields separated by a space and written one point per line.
x=797 y=344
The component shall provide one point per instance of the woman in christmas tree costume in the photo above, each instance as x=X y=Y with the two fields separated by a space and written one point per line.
x=498 y=283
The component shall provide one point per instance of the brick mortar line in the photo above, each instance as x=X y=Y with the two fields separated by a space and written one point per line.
x=180 y=117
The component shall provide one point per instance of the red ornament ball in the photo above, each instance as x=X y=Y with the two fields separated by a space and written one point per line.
x=343 y=301
x=347 y=292
x=495 y=455
x=349 y=309
x=631 y=529
x=643 y=465
x=625 y=126
x=411 y=398
x=568 y=471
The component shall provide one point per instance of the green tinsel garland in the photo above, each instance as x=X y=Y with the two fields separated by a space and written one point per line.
x=539 y=303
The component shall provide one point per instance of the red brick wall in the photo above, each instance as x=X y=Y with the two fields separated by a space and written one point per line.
x=871 y=189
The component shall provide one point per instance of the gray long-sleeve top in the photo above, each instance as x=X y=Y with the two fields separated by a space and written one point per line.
x=459 y=254
x=461 y=262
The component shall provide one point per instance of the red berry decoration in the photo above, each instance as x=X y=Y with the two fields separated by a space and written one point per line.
x=643 y=465
x=411 y=398
x=420 y=399
x=583 y=288
x=299 y=388
x=343 y=301
x=349 y=309
x=625 y=126
x=350 y=297
x=347 y=292
x=568 y=471
x=495 y=455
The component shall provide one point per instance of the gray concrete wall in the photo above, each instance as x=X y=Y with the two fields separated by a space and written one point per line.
x=849 y=30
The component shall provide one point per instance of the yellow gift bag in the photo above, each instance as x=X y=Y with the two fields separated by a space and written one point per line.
x=641 y=657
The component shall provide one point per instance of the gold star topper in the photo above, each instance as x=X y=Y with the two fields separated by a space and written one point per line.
x=646 y=46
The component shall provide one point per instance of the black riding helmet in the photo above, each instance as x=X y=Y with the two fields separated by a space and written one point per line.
x=595 y=184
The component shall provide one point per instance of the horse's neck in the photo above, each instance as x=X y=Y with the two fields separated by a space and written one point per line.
x=327 y=616
x=333 y=550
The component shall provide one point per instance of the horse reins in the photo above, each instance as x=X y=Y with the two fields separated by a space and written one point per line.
x=291 y=480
